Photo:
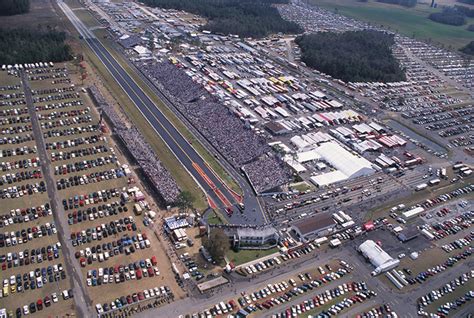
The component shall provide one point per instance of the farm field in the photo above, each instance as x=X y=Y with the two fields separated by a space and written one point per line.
x=408 y=21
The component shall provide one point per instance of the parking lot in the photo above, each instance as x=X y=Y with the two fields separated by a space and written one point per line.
x=92 y=181
x=33 y=265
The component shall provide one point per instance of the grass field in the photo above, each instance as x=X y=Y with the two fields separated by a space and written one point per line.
x=412 y=22
x=87 y=18
x=244 y=256
x=214 y=217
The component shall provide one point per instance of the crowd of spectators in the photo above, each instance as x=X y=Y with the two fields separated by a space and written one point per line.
x=241 y=146
x=141 y=151
x=215 y=122
x=267 y=172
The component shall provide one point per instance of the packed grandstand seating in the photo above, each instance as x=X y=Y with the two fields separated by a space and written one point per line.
x=267 y=173
x=141 y=150
x=241 y=146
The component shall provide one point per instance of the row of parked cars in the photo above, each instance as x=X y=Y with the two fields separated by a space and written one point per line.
x=20 y=164
x=13 y=238
x=448 y=196
x=78 y=153
x=458 y=244
x=156 y=292
x=75 y=142
x=34 y=279
x=25 y=215
x=125 y=245
x=93 y=177
x=263 y=265
x=30 y=256
x=20 y=176
x=19 y=151
x=84 y=165
x=121 y=273
x=42 y=99
x=93 y=213
x=103 y=231
x=88 y=199
x=69 y=131
x=423 y=276
x=41 y=303
x=384 y=311
x=453 y=225
x=443 y=291
x=19 y=191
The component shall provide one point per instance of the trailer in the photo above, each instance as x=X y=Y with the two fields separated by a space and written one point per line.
x=394 y=280
x=335 y=243
x=434 y=182
x=421 y=186
x=320 y=240
x=338 y=218
x=427 y=234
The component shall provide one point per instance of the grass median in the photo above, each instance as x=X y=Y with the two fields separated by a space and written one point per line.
x=245 y=256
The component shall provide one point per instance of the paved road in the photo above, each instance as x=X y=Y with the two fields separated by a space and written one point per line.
x=181 y=148
x=81 y=297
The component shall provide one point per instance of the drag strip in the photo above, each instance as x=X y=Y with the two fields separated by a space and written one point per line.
x=180 y=147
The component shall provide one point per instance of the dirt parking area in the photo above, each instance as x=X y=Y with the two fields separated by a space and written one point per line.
x=85 y=162
x=23 y=249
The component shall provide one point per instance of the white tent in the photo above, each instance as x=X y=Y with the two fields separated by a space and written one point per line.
x=341 y=159
x=328 y=178
x=378 y=257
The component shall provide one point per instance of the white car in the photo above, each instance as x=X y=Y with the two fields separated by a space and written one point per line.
x=54 y=297
x=26 y=311
x=99 y=308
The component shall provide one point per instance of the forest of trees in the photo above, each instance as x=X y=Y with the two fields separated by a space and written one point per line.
x=468 y=49
x=12 y=7
x=449 y=15
x=356 y=56
x=27 y=46
x=468 y=12
x=467 y=1
x=246 y=18
x=405 y=3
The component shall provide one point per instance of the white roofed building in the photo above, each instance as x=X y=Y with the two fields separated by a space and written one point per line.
x=380 y=259
x=346 y=162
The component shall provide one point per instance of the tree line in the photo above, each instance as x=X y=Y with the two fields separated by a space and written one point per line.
x=246 y=18
x=355 y=56
x=12 y=7
x=452 y=15
x=467 y=1
x=405 y=3
x=28 y=46
x=468 y=49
